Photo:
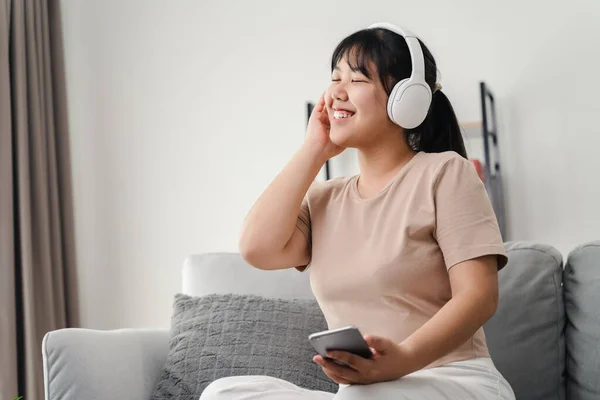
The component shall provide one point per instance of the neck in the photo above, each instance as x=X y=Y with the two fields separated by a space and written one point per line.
x=380 y=163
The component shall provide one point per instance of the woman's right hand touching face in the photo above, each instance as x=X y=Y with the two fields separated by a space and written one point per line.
x=317 y=132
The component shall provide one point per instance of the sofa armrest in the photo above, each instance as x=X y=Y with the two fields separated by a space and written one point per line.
x=91 y=364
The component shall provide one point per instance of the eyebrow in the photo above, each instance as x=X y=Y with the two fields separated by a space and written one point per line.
x=356 y=69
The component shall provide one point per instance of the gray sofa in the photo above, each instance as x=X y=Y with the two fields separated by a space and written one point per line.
x=544 y=337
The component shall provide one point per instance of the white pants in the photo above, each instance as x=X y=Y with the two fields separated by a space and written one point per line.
x=476 y=379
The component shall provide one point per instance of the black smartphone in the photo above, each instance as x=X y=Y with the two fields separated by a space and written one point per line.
x=348 y=339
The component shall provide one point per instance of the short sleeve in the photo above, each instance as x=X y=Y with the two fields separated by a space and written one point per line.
x=466 y=226
x=303 y=223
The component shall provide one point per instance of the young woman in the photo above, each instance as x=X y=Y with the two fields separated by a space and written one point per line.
x=408 y=250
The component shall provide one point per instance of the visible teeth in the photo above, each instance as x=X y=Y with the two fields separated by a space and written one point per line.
x=342 y=114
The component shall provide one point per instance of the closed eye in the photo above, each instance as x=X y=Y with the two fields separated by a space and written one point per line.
x=353 y=80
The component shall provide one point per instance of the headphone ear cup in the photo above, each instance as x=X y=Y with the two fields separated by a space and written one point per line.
x=409 y=103
x=395 y=95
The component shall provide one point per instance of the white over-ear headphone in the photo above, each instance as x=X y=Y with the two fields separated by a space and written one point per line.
x=410 y=99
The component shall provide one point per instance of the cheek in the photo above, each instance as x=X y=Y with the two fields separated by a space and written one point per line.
x=370 y=104
x=373 y=111
x=328 y=92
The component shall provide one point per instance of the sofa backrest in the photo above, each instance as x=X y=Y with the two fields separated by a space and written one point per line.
x=229 y=273
x=525 y=336
x=582 y=306
x=544 y=338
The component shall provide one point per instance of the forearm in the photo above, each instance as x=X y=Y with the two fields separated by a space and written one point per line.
x=453 y=325
x=272 y=220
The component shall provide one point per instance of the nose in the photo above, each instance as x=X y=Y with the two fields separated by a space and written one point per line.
x=339 y=93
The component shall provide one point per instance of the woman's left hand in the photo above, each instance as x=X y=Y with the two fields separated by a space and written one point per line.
x=390 y=361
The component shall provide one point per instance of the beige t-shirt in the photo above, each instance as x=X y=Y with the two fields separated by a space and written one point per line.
x=382 y=263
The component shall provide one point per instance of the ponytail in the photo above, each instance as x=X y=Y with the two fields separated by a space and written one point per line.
x=440 y=131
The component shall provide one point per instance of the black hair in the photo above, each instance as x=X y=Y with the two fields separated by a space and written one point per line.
x=389 y=53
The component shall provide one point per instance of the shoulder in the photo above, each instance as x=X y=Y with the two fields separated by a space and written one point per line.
x=440 y=161
x=324 y=191
x=447 y=167
x=451 y=174
x=440 y=165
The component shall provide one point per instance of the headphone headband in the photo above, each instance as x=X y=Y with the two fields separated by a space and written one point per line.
x=410 y=99
x=414 y=47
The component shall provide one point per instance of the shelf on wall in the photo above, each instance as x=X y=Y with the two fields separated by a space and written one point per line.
x=472 y=129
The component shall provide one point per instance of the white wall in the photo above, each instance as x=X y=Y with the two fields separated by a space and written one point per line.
x=181 y=112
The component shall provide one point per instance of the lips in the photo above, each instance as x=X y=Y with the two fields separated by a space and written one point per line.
x=342 y=113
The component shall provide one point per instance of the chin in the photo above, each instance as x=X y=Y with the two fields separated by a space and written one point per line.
x=340 y=138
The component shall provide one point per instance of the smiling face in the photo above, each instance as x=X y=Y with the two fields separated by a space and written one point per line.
x=356 y=104
x=365 y=67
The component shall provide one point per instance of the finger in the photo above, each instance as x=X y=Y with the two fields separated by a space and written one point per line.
x=353 y=361
x=374 y=352
x=381 y=345
x=336 y=369
x=325 y=116
x=336 y=378
x=325 y=105
x=339 y=376
x=321 y=103
x=328 y=100
x=332 y=366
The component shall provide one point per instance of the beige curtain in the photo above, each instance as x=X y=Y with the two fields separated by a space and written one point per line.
x=37 y=260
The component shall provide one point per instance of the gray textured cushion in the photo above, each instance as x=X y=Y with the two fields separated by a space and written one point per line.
x=526 y=335
x=221 y=335
x=582 y=304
